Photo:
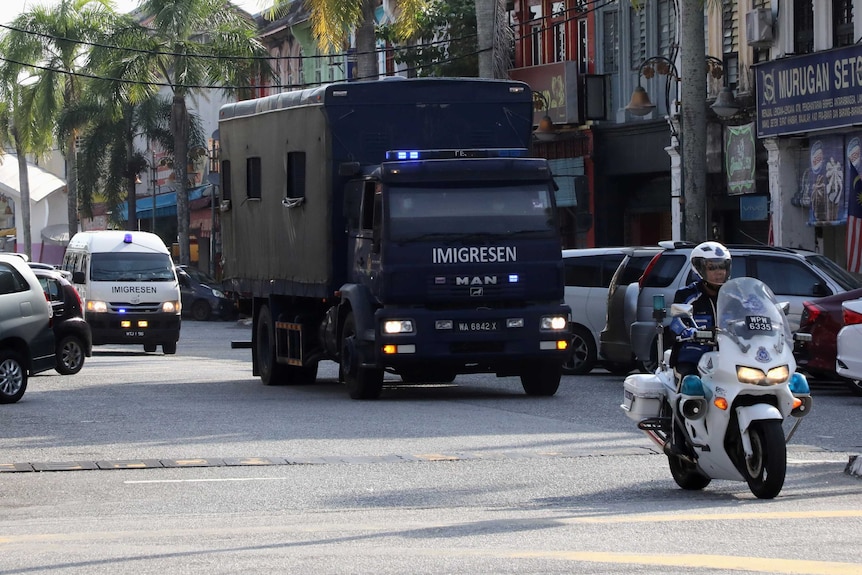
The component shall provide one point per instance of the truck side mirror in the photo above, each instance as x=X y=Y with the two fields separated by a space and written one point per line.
x=78 y=278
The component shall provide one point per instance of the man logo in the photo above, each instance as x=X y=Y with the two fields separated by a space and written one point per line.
x=475 y=281
x=477 y=291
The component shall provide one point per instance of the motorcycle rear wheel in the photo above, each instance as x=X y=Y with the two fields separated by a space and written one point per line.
x=766 y=468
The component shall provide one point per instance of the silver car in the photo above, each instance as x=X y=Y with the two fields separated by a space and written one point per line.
x=26 y=336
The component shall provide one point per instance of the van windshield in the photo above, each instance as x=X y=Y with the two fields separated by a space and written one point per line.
x=131 y=267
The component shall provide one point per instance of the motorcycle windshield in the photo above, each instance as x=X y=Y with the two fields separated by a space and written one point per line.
x=748 y=310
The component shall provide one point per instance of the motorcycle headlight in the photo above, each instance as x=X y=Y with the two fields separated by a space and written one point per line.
x=757 y=376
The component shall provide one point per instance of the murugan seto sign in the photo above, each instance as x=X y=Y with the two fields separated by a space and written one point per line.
x=813 y=92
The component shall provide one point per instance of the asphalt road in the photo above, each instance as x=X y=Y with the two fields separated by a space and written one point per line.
x=144 y=463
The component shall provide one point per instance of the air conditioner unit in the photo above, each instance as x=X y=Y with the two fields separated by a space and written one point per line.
x=758 y=27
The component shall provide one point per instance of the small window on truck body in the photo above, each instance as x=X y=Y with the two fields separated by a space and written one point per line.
x=295 y=180
x=226 y=185
x=253 y=177
x=367 y=214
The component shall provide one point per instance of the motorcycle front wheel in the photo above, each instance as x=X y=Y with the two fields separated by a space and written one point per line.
x=765 y=469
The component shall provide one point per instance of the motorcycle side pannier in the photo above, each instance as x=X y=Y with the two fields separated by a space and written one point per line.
x=642 y=396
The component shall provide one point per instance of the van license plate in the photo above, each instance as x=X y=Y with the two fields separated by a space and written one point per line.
x=134 y=334
x=477 y=326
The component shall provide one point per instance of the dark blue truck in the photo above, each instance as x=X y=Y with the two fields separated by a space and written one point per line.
x=394 y=226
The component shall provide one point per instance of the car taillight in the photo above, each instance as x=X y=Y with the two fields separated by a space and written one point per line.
x=648 y=269
x=810 y=312
x=852 y=317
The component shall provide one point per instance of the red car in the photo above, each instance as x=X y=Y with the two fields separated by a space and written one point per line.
x=823 y=319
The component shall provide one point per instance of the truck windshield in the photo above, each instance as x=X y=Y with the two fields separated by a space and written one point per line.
x=131 y=267
x=524 y=210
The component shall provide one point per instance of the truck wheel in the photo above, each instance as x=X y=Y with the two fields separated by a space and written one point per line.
x=169 y=348
x=271 y=372
x=70 y=355
x=13 y=376
x=542 y=379
x=362 y=383
x=582 y=353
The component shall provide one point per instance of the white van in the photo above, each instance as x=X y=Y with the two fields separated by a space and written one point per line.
x=127 y=283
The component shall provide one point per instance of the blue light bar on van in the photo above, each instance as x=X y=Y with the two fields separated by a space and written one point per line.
x=127 y=239
x=451 y=154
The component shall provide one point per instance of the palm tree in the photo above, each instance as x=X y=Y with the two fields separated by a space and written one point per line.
x=332 y=22
x=191 y=45
x=494 y=37
x=52 y=43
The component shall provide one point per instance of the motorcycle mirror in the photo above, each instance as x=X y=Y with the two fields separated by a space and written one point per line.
x=784 y=306
x=681 y=310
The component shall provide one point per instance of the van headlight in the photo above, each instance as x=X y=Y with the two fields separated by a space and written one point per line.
x=97 y=306
x=554 y=323
x=756 y=376
x=171 y=307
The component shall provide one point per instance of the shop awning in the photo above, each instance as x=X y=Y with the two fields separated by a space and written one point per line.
x=166 y=204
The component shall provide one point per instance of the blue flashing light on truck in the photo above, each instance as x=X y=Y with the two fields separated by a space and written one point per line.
x=394 y=226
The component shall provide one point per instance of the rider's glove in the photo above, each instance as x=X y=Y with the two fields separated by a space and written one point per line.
x=688 y=333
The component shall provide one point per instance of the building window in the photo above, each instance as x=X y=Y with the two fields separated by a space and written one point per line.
x=536 y=45
x=558 y=17
x=637 y=35
x=583 y=47
x=610 y=42
x=667 y=22
x=252 y=177
x=730 y=41
x=803 y=26
x=842 y=23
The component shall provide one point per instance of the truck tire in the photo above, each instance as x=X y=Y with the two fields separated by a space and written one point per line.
x=362 y=383
x=13 y=376
x=271 y=372
x=542 y=379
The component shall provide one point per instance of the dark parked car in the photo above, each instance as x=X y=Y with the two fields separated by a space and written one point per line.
x=202 y=296
x=823 y=318
x=72 y=334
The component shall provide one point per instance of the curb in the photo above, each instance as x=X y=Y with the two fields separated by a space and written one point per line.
x=854 y=466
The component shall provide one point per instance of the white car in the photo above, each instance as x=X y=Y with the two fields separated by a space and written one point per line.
x=849 y=360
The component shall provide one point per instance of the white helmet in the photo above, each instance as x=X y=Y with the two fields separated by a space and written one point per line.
x=710 y=253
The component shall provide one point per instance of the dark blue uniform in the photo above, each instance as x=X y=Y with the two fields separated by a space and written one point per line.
x=686 y=354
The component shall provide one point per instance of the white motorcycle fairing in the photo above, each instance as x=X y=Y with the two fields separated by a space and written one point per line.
x=730 y=414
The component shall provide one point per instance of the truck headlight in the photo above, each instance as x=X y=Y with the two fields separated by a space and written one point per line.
x=554 y=322
x=398 y=326
x=97 y=306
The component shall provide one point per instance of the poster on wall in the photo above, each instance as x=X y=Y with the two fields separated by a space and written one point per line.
x=739 y=156
x=826 y=180
x=854 y=203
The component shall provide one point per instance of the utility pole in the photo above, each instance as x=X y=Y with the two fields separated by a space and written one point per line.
x=693 y=119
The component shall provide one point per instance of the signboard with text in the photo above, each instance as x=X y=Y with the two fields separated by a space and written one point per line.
x=813 y=92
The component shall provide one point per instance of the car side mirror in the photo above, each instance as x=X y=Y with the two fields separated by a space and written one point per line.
x=821 y=290
x=681 y=310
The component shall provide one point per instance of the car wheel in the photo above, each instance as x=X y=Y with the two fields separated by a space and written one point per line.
x=582 y=356
x=70 y=355
x=13 y=376
x=854 y=385
x=201 y=310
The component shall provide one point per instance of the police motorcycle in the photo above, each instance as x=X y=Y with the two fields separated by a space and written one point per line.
x=726 y=422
